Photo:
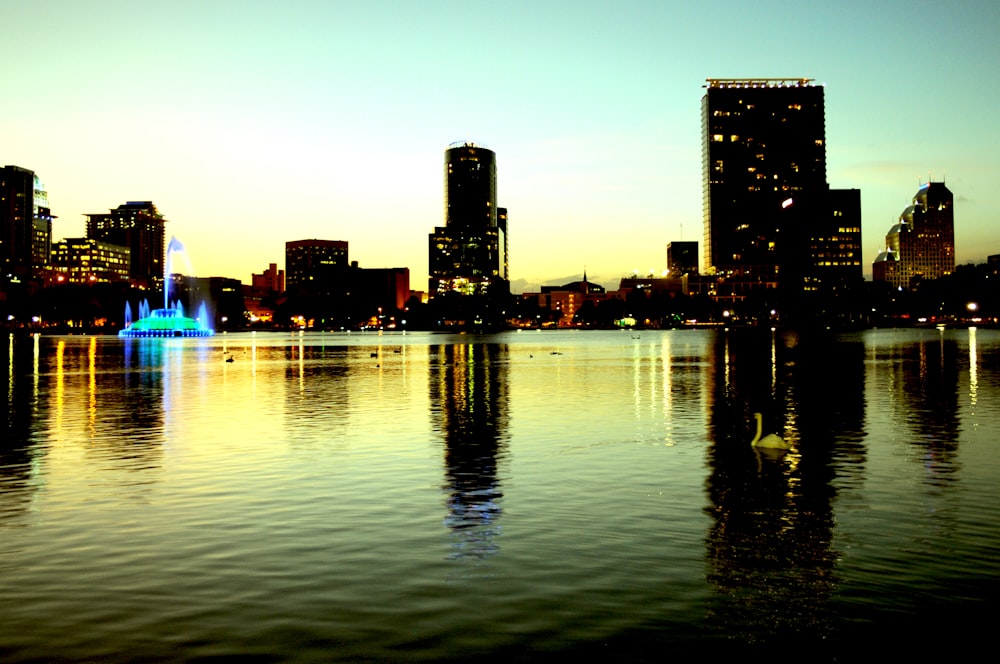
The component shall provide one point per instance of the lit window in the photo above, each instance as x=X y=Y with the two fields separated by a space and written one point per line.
x=717 y=138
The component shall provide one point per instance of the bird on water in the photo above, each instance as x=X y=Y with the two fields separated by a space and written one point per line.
x=771 y=441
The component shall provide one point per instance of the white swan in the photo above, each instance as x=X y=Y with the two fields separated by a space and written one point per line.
x=770 y=441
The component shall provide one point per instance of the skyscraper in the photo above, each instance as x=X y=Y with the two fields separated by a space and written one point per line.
x=764 y=143
x=17 y=195
x=41 y=221
x=139 y=226
x=922 y=244
x=468 y=255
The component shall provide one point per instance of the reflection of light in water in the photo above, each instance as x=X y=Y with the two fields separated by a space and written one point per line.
x=636 y=381
x=253 y=356
x=668 y=388
x=60 y=383
x=774 y=362
x=302 y=365
x=34 y=367
x=10 y=368
x=92 y=386
x=973 y=369
x=725 y=355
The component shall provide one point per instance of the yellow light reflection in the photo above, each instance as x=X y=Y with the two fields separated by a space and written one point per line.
x=60 y=395
x=973 y=369
x=92 y=386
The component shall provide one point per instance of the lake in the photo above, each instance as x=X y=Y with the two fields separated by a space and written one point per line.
x=516 y=496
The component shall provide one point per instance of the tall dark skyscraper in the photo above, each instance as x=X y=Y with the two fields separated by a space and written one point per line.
x=139 y=226
x=17 y=195
x=468 y=255
x=764 y=143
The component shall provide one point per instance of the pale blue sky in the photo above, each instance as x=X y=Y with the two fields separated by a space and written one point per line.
x=253 y=123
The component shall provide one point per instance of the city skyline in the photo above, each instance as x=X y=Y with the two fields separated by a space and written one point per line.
x=249 y=126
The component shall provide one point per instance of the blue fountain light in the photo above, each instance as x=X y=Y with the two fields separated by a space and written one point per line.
x=166 y=323
x=169 y=321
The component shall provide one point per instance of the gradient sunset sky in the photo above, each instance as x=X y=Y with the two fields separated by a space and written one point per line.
x=252 y=123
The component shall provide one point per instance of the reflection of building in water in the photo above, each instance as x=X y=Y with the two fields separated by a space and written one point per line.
x=317 y=388
x=468 y=395
x=17 y=416
x=136 y=409
x=77 y=389
x=769 y=548
x=928 y=370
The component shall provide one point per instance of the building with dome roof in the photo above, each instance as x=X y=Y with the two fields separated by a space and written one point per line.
x=921 y=245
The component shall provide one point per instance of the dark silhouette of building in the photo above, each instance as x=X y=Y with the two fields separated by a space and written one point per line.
x=765 y=149
x=468 y=255
x=139 y=226
x=17 y=196
x=682 y=258
x=383 y=289
x=922 y=244
x=824 y=253
x=315 y=267
x=330 y=291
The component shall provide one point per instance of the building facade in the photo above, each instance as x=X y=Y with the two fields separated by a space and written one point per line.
x=822 y=233
x=921 y=245
x=88 y=261
x=682 y=258
x=139 y=226
x=41 y=224
x=17 y=197
x=271 y=280
x=764 y=144
x=468 y=255
x=315 y=267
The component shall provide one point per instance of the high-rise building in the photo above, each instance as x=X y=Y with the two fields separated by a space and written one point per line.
x=682 y=258
x=922 y=244
x=41 y=223
x=764 y=143
x=139 y=226
x=468 y=255
x=17 y=197
x=316 y=267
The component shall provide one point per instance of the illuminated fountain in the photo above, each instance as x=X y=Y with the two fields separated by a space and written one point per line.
x=169 y=321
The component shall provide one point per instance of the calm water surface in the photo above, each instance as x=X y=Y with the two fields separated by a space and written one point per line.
x=522 y=495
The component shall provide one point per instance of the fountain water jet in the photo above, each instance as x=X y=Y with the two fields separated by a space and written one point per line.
x=169 y=321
